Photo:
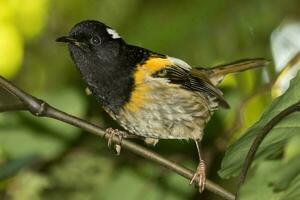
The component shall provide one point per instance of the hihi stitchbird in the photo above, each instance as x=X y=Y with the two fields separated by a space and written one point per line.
x=151 y=95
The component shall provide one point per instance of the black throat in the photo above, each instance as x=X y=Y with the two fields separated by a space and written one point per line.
x=111 y=81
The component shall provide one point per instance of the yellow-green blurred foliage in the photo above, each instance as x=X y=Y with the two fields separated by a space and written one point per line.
x=20 y=20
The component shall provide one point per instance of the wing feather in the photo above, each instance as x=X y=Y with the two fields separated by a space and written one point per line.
x=182 y=74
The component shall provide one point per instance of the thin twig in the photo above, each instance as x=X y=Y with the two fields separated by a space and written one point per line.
x=258 y=140
x=41 y=109
x=12 y=107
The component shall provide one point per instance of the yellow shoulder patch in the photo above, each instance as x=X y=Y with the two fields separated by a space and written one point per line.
x=143 y=71
x=152 y=65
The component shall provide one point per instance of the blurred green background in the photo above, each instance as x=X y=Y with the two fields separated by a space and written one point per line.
x=46 y=159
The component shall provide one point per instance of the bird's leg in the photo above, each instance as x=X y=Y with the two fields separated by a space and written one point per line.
x=200 y=173
x=121 y=134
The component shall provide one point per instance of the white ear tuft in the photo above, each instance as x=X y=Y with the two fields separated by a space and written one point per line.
x=113 y=33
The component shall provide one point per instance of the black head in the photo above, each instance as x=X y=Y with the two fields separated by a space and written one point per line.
x=93 y=42
x=101 y=55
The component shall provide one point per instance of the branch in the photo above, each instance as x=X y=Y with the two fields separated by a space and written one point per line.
x=259 y=138
x=12 y=107
x=40 y=108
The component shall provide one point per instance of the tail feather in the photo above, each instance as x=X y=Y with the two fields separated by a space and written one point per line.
x=216 y=74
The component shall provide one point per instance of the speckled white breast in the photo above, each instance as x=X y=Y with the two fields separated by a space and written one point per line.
x=170 y=113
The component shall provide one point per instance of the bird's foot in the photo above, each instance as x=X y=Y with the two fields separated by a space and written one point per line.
x=151 y=141
x=115 y=132
x=200 y=173
x=88 y=92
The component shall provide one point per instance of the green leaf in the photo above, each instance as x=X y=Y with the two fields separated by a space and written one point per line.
x=293 y=192
x=260 y=185
x=274 y=142
x=291 y=164
x=287 y=174
x=292 y=148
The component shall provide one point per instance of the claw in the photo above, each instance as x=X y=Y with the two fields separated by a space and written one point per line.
x=200 y=173
x=151 y=141
x=115 y=132
x=118 y=149
x=111 y=133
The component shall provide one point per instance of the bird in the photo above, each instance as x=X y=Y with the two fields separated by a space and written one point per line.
x=151 y=95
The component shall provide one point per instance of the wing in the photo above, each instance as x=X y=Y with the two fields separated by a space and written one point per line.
x=179 y=72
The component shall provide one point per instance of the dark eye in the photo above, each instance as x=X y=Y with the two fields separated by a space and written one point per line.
x=95 y=40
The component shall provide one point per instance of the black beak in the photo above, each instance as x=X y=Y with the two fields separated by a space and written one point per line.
x=70 y=40
x=66 y=39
